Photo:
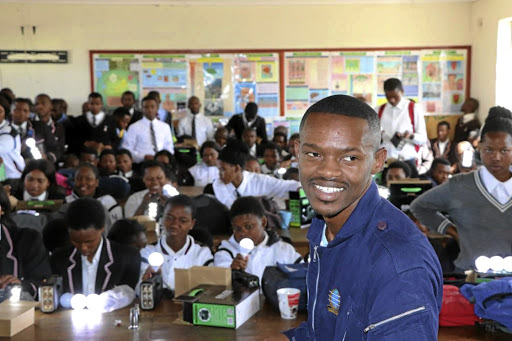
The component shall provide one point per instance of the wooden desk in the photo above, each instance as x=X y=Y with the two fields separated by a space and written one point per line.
x=191 y=191
x=165 y=323
x=298 y=237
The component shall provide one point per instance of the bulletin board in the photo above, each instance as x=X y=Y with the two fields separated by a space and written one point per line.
x=285 y=83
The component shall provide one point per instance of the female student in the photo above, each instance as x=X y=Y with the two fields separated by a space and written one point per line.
x=38 y=182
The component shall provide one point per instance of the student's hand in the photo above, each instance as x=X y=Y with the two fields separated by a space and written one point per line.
x=8 y=279
x=407 y=135
x=149 y=273
x=92 y=144
x=452 y=231
x=149 y=157
x=239 y=262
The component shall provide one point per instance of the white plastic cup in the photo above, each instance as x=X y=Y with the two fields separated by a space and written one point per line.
x=288 y=302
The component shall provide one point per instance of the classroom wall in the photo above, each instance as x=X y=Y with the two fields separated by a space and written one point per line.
x=485 y=15
x=80 y=28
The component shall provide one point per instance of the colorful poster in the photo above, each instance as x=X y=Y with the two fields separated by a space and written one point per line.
x=296 y=71
x=410 y=82
x=317 y=94
x=268 y=105
x=410 y=64
x=431 y=91
x=352 y=65
x=318 y=69
x=380 y=82
x=297 y=93
x=266 y=71
x=340 y=85
x=166 y=75
x=244 y=93
x=246 y=71
x=213 y=74
x=362 y=87
x=389 y=65
x=431 y=72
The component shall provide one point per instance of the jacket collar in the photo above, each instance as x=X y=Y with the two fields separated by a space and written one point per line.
x=359 y=218
x=6 y=242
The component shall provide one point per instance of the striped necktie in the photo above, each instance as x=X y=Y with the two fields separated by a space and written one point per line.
x=153 y=137
x=194 y=127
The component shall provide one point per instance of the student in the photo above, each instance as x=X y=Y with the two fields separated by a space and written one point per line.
x=24 y=259
x=93 y=264
x=146 y=137
x=128 y=232
x=207 y=170
x=248 y=220
x=468 y=126
x=166 y=158
x=401 y=118
x=128 y=102
x=248 y=119
x=234 y=181
x=107 y=164
x=124 y=163
x=155 y=178
x=38 y=183
x=478 y=204
x=39 y=131
x=89 y=155
x=122 y=120
x=397 y=170
x=179 y=249
x=439 y=173
x=60 y=111
x=195 y=123
x=442 y=147
x=162 y=113
x=44 y=109
x=271 y=160
x=290 y=160
x=221 y=136
x=253 y=165
x=465 y=158
x=372 y=275
x=280 y=139
x=10 y=144
x=94 y=129
x=249 y=137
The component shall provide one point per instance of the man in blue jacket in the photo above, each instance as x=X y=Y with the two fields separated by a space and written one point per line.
x=372 y=274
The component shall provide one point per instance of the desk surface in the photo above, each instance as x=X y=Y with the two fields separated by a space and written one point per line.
x=165 y=323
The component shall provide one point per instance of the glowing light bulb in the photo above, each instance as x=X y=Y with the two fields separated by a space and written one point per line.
x=482 y=264
x=383 y=192
x=246 y=246
x=30 y=142
x=497 y=263
x=507 y=264
x=170 y=191
x=78 y=302
x=155 y=259
x=65 y=300
x=94 y=302
x=281 y=171
x=152 y=210
x=15 y=294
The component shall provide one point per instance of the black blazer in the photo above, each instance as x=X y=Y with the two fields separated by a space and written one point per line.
x=23 y=255
x=104 y=132
x=42 y=134
x=236 y=123
x=118 y=265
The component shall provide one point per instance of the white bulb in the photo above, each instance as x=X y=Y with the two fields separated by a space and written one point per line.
x=152 y=209
x=281 y=171
x=15 y=294
x=78 y=301
x=94 y=302
x=497 y=263
x=170 y=191
x=246 y=246
x=156 y=259
x=383 y=192
x=507 y=264
x=482 y=264
x=30 y=142
x=65 y=300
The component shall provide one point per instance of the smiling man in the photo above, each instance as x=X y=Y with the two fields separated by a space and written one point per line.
x=372 y=274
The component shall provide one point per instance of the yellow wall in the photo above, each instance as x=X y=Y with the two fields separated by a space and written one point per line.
x=80 y=28
x=484 y=31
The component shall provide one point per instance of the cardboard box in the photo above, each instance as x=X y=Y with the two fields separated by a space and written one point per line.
x=151 y=227
x=216 y=306
x=15 y=316
x=186 y=279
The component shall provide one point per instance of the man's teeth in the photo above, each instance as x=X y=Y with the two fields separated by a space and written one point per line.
x=329 y=189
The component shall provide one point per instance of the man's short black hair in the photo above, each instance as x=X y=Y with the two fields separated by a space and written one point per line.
x=89 y=150
x=251 y=109
x=497 y=125
x=400 y=164
x=347 y=106
x=295 y=136
x=392 y=84
x=272 y=146
x=248 y=130
x=150 y=98
x=235 y=153
x=246 y=205
x=439 y=161
x=124 y=231
x=181 y=200
x=129 y=93
x=152 y=163
x=95 y=95
x=121 y=112
x=93 y=168
x=153 y=94
x=107 y=152
x=24 y=101
x=278 y=133
x=126 y=152
x=444 y=123
x=44 y=96
x=85 y=213
x=209 y=144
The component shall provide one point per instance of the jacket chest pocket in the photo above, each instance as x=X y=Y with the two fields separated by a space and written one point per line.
x=348 y=326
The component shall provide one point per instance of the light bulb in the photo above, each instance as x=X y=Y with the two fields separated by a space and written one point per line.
x=482 y=264
x=152 y=210
x=246 y=246
x=78 y=301
x=383 y=192
x=170 y=191
x=65 y=300
x=94 y=302
x=281 y=171
x=30 y=142
x=15 y=294
x=507 y=264
x=156 y=259
x=497 y=263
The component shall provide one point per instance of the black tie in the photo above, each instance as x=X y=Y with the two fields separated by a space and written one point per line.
x=94 y=120
x=237 y=193
x=153 y=137
x=194 y=127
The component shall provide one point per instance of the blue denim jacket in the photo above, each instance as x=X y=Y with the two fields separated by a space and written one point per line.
x=378 y=279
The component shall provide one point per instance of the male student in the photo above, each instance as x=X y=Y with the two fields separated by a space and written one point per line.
x=128 y=102
x=93 y=264
x=146 y=137
x=402 y=123
x=248 y=119
x=442 y=147
x=468 y=126
x=44 y=109
x=478 y=204
x=372 y=275
x=250 y=138
x=10 y=144
x=195 y=124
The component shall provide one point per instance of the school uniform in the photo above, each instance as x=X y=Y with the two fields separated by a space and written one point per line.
x=136 y=199
x=203 y=125
x=445 y=150
x=139 y=141
x=378 y=279
x=239 y=122
x=113 y=265
x=468 y=126
x=43 y=136
x=252 y=184
x=10 y=151
x=203 y=175
x=257 y=150
x=114 y=211
x=272 y=172
x=191 y=254
x=23 y=255
x=58 y=130
x=88 y=127
x=269 y=252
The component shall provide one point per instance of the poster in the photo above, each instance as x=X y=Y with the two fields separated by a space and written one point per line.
x=213 y=74
x=244 y=93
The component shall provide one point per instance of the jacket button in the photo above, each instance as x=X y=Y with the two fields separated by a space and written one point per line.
x=381 y=225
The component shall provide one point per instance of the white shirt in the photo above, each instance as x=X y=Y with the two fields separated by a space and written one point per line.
x=99 y=118
x=138 y=141
x=203 y=175
x=89 y=271
x=191 y=254
x=501 y=191
x=442 y=145
x=28 y=197
x=22 y=126
x=204 y=127
x=396 y=119
x=10 y=152
x=259 y=258
x=252 y=150
x=256 y=185
x=113 y=211
x=136 y=199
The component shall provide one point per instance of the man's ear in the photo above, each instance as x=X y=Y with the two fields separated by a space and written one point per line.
x=297 y=147
x=379 y=158
x=264 y=222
